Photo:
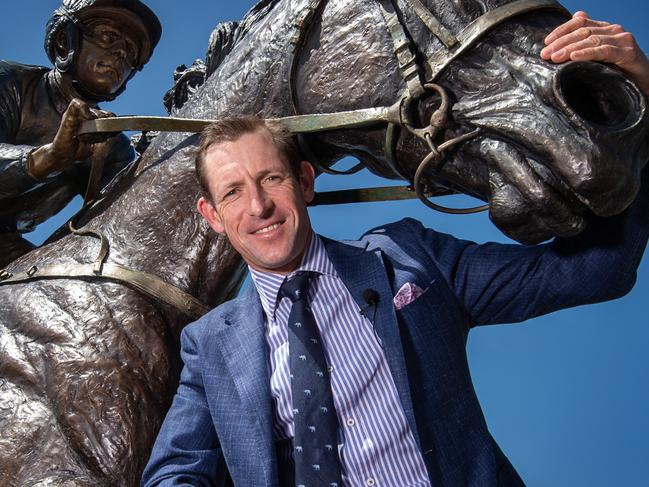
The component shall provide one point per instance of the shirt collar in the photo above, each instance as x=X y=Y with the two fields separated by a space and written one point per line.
x=315 y=260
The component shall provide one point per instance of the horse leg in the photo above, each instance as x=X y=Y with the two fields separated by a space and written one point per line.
x=84 y=386
x=33 y=450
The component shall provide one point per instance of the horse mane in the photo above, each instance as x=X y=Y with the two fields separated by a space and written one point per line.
x=255 y=14
x=226 y=35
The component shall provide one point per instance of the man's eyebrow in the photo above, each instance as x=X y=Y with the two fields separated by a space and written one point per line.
x=265 y=172
x=227 y=184
x=259 y=176
x=272 y=170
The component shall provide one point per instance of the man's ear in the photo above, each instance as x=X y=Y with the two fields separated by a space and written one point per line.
x=307 y=181
x=211 y=215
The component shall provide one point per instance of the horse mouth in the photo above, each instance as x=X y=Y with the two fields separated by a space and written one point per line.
x=528 y=201
x=601 y=188
x=579 y=203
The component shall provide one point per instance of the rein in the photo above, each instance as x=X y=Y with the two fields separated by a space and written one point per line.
x=419 y=81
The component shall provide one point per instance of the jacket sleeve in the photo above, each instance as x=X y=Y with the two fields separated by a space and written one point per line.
x=187 y=451
x=507 y=283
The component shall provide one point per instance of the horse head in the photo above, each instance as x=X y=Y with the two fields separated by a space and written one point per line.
x=554 y=145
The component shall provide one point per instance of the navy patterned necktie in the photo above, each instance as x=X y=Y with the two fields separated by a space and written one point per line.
x=315 y=448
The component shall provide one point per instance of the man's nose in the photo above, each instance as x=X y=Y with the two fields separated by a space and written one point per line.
x=260 y=202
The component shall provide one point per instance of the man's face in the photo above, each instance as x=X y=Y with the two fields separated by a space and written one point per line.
x=257 y=202
x=108 y=53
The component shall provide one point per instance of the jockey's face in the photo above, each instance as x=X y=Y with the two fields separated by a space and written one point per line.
x=108 y=53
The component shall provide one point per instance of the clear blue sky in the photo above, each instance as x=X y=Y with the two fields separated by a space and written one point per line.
x=566 y=395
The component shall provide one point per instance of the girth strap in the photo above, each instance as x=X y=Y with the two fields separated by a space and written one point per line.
x=144 y=282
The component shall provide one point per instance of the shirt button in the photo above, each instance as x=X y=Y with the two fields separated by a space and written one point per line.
x=370 y=482
x=351 y=422
x=330 y=368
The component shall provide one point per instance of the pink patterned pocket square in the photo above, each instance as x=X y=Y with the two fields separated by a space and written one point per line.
x=407 y=294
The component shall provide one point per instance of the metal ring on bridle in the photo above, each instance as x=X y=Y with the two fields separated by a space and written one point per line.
x=437 y=119
x=435 y=155
x=427 y=134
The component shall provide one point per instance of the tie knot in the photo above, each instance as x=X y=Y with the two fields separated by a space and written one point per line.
x=296 y=287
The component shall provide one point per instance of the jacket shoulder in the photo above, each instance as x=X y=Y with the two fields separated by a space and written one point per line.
x=410 y=237
x=392 y=229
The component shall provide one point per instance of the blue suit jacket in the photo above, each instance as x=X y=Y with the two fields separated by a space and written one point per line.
x=222 y=413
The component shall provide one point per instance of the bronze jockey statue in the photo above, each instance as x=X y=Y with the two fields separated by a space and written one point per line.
x=96 y=46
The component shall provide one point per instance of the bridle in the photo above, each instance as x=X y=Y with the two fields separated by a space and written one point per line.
x=419 y=80
x=148 y=284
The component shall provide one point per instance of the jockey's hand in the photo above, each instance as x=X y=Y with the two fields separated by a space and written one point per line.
x=66 y=148
x=584 y=39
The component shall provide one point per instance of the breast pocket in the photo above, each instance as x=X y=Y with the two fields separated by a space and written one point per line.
x=434 y=342
x=409 y=294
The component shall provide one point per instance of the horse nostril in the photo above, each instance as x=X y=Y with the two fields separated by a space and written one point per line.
x=599 y=95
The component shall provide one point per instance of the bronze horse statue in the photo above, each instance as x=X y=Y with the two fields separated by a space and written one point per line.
x=88 y=366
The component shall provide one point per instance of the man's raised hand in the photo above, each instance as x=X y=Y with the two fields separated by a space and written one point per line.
x=585 y=39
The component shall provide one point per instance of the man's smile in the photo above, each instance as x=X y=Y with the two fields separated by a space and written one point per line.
x=268 y=228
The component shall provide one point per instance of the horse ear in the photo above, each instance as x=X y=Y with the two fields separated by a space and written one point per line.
x=307 y=181
x=211 y=215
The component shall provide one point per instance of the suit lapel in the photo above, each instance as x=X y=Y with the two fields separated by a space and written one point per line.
x=361 y=269
x=243 y=347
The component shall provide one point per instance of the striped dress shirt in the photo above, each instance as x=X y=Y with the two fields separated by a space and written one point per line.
x=377 y=447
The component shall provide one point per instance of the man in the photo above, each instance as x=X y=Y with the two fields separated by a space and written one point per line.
x=380 y=337
x=96 y=46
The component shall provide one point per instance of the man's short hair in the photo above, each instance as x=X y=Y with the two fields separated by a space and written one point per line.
x=230 y=129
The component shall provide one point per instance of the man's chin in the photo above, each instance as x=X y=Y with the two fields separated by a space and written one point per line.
x=279 y=265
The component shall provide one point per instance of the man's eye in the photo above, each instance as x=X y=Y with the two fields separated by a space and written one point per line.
x=272 y=178
x=230 y=193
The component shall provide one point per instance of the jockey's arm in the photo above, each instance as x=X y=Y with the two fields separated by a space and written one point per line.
x=66 y=148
